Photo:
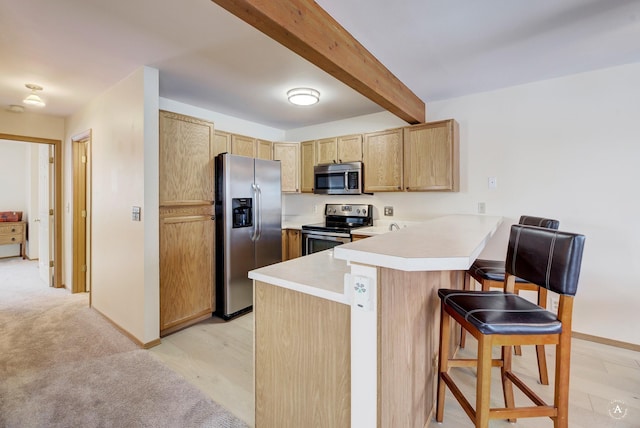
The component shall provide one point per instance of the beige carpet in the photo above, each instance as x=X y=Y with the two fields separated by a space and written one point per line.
x=63 y=365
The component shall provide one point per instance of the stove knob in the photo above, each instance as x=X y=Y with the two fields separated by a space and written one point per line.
x=364 y=211
x=358 y=211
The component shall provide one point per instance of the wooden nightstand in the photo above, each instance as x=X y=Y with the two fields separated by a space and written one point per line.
x=14 y=232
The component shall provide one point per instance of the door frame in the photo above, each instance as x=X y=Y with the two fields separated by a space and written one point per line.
x=57 y=205
x=81 y=201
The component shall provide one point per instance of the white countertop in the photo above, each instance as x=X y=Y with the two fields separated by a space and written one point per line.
x=450 y=242
x=318 y=274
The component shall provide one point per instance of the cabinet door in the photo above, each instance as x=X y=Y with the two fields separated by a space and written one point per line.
x=186 y=160
x=243 y=146
x=326 y=151
x=350 y=148
x=221 y=142
x=186 y=267
x=382 y=155
x=307 y=156
x=287 y=154
x=264 y=149
x=285 y=245
x=431 y=159
x=294 y=243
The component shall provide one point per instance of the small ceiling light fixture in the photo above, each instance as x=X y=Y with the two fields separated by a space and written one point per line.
x=303 y=96
x=14 y=108
x=33 y=99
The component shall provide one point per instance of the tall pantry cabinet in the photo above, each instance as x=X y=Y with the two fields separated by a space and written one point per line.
x=187 y=224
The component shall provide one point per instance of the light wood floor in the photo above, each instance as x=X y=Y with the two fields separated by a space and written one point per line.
x=218 y=358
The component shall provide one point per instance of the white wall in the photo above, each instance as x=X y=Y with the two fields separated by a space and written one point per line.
x=124 y=153
x=565 y=148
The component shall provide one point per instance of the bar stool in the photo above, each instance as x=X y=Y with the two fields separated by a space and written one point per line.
x=541 y=256
x=490 y=274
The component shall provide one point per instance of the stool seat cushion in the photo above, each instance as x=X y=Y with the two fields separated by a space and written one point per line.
x=492 y=270
x=495 y=312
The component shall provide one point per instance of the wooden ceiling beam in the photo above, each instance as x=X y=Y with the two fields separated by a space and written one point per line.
x=308 y=30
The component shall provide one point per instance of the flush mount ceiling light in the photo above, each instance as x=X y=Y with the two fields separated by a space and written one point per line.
x=33 y=99
x=14 y=108
x=303 y=96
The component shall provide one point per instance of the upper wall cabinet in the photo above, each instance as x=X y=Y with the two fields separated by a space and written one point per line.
x=264 y=149
x=186 y=160
x=431 y=157
x=382 y=156
x=347 y=148
x=221 y=142
x=307 y=161
x=288 y=155
x=243 y=146
x=350 y=148
x=326 y=151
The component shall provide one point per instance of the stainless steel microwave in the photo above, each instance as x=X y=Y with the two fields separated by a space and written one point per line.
x=338 y=179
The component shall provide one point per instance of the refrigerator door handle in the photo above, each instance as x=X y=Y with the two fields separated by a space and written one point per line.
x=256 y=210
x=259 y=202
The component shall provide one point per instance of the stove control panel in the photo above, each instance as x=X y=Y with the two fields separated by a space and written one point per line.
x=350 y=210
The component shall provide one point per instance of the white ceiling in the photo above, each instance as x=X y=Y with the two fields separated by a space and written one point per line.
x=77 y=49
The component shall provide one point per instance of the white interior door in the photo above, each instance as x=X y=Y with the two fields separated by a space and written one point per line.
x=45 y=187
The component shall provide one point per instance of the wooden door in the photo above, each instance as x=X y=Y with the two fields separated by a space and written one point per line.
x=350 y=148
x=186 y=221
x=382 y=154
x=243 y=146
x=287 y=154
x=431 y=160
x=307 y=162
x=326 y=151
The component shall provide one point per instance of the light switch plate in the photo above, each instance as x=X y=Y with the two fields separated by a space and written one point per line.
x=135 y=213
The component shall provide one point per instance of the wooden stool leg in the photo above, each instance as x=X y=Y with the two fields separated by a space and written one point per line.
x=561 y=398
x=542 y=358
x=443 y=362
x=483 y=386
x=507 y=385
x=466 y=286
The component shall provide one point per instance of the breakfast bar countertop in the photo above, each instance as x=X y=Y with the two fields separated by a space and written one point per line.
x=447 y=243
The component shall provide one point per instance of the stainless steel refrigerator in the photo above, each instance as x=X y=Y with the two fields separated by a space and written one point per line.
x=248 y=227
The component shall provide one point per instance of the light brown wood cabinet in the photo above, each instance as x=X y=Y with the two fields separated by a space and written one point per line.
x=291 y=244
x=186 y=221
x=307 y=162
x=326 y=151
x=264 y=149
x=431 y=157
x=288 y=155
x=347 y=148
x=382 y=156
x=350 y=148
x=14 y=232
x=221 y=142
x=243 y=145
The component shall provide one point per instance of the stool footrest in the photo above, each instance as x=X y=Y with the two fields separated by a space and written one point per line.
x=470 y=362
x=466 y=406
x=525 y=389
x=522 y=412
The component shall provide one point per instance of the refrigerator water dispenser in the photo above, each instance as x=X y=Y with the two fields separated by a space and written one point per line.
x=242 y=216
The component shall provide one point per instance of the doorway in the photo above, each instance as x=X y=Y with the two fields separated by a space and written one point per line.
x=54 y=216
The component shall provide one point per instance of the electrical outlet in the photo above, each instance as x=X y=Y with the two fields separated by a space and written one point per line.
x=388 y=211
x=554 y=303
x=482 y=208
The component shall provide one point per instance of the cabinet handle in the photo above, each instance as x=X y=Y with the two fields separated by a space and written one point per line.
x=213 y=217
x=13 y=230
x=13 y=238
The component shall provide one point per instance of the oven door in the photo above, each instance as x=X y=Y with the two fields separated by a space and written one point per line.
x=312 y=242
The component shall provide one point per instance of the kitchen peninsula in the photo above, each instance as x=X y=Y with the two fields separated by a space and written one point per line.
x=328 y=356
